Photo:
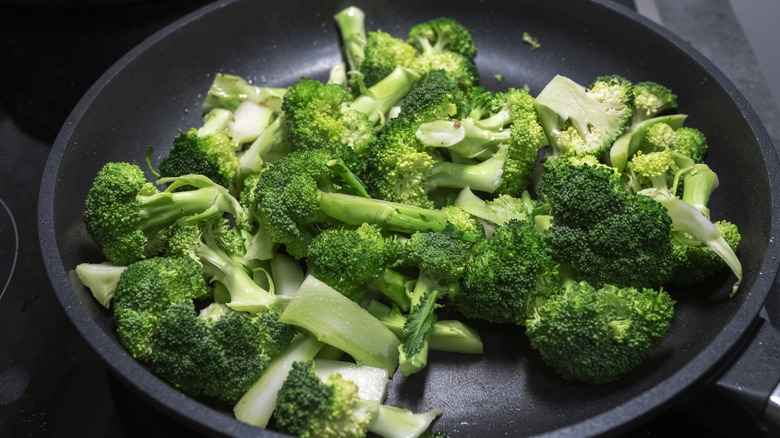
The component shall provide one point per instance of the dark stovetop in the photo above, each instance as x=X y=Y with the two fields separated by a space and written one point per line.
x=51 y=382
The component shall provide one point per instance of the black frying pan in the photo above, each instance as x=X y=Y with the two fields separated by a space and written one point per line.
x=158 y=89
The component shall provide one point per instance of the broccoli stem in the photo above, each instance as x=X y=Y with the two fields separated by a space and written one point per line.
x=378 y=100
x=445 y=335
x=698 y=185
x=229 y=91
x=393 y=422
x=351 y=24
x=257 y=405
x=216 y=120
x=485 y=176
x=394 y=286
x=688 y=219
x=160 y=209
x=101 y=279
x=253 y=158
x=338 y=321
x=463 y=137
x=245 y=294
x=356 y=210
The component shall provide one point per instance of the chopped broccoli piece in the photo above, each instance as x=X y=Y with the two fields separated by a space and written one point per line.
x=127 y=216
x=211 y=155
x=595 y=335
x=443 y=35
x=531 y=41
x=651 y=99
x=351 y=22
x=101 y=279
x=383 y=53
x=229 y=91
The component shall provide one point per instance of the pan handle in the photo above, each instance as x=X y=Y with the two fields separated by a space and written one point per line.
x=753 y=380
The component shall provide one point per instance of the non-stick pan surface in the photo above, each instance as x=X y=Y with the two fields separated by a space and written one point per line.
x=158 y=88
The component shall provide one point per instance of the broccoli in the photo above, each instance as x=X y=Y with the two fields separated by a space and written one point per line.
x=302 y=189
x=600 y=229
x=346 y=259
x=695 y=261
x=502 y=208
x=211 y=155
x=383 y=53
x=217 y=356
x=351 y=22
x=633 y=140
x=145 y=290
x=595 y=335
x=445 y=335
x=336 y=320
x=690 y=142
x=459 y=66
x=128 y=216
x=437 y=97
x=502 y=274
x=584 y=121
x=512 y=122
x=229 y=91
x=257 y=154
x=101 y=279
x=308 y=407
x=650 y=100
x=326 y=116
x=442 y=35
x=219 y=249
x=441 y=261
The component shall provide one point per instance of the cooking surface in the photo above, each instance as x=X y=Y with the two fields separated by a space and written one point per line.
x=51 y=383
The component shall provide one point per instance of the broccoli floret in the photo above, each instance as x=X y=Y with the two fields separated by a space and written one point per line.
x=127 y=216
x=216 y=356
x=595 y=335
x=218 y=248
x=273 y=137
x=601 y=229
x=651 y=99
x=633 y=140
x=501 y=274
x=351 y=22
x=326 y=116
x=301 y=190
x=696 y=261
x=584 y=121
x=308 y=407
x=437 y=97
x=443 y=35
x=513 y=123
x=211 y=155
x=441 y=261
x=502 y=208
x=460 y=67
x=383 y=53
x=145 y=290
x=691 y=143
x=346 y=259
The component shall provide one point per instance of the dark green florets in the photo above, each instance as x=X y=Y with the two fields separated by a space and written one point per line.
x=593 y=336
x=211 y=155
x=443 y=34
x=383 y=53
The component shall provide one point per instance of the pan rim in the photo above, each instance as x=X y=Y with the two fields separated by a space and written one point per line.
x=186 y=409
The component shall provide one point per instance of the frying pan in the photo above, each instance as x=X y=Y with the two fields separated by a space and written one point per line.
x=157 y=89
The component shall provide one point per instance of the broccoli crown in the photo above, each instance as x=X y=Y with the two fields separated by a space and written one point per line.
x=600 y=229
x=308 y=407
x=437 y=255
x=463 y=221
x=695 y=262
x=398 y=166
x=526 y=139
x=212 y=155
x=653 y=164
x=112 y=212
x=691 y=143
x=651 y=99
x=464 y=71
x=501 y=273
x=145 y=290
x=218 y=358
x=346 y=259
x=481 y=103
x=319 y=117
x=580 y=121
x=383 y=53
x=594 y=336
x=437 y=97
x=443 y=34
x=286 y=196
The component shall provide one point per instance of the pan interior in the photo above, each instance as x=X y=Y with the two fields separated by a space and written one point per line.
x=158 y=90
